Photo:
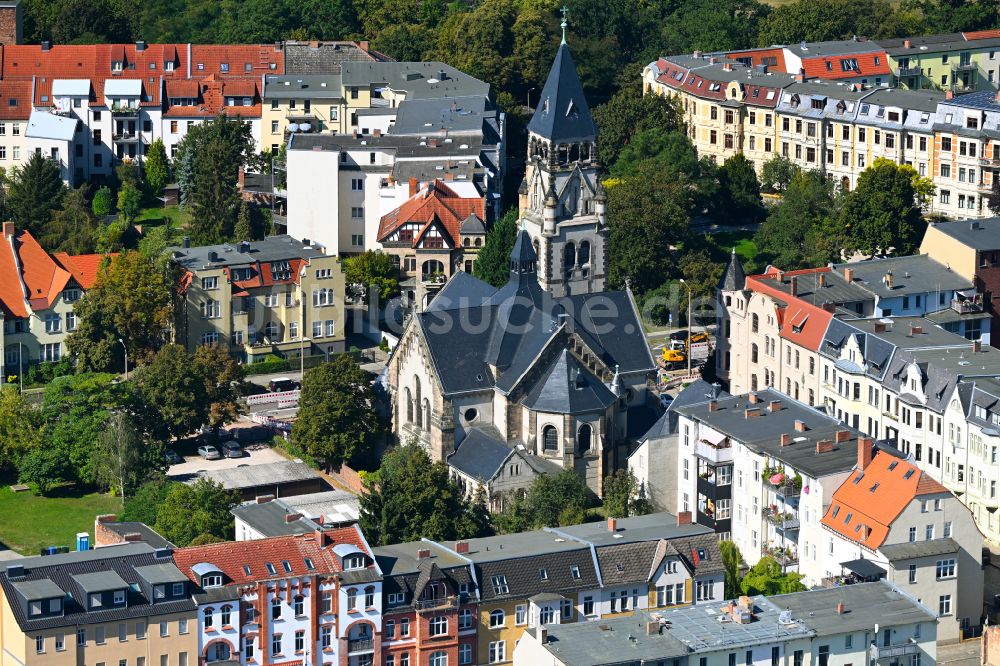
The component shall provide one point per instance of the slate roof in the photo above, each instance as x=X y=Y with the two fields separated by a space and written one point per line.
x=651 y=527
x=524 y=578
x=735 y=277
x=617 y=640
x=286 y=471
x=626 y=563
x=866 y=604
x=562 y=114
x=65 y=571
x=148 y=534
x=700 y=553
x=566 y=387
x=981 y=234
x=912 y=274
x=480 y=454
x=906 y=550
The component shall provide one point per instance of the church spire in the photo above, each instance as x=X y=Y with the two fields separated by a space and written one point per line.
x=565 y=12
x=562 y=114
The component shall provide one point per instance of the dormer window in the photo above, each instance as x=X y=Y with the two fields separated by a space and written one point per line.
x=270 y=568
x=96 y=601
x=168 y=66
x=159 y=591
x=35 y=608
x=223 y=66
x=354 y=562
x=178 y=589
x=117 y=66
x=211 y=580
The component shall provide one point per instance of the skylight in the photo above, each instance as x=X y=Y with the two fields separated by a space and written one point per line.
x=892 y=465
x=286 y=566
x=908 y=474
x=270 y=568
x=309 y=564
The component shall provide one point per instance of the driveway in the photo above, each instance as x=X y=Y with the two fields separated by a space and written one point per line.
x=253 y=454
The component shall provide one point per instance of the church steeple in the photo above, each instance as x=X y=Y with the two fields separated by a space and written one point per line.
x=562 y=114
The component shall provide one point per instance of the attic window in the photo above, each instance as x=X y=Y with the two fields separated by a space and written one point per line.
x=575 y=571
x=500 y=585
x=286 y=566
x=270 y=568
x=12 y=102
x=829 y=66
x=770 y=94
x=873 y=488
x=849 y=64
x=309 y=564
x=570 y=109
x=836 y=510
x=702 y=554
x=223 y=66
x=246 y=569
x=211 y=580
x=543 y=574
x=619 y=567
x=908 y=474
x=848 y=518
x=881 y=112
x=756 y=92
x=892 y=465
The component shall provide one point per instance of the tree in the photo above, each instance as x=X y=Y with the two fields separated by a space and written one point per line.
x=515 y=517
x=189 y=511
x=104 y=202
x=776 y=174
x=713 y=25
x=766 y=578
x=620 y=490
x=172 y=392
x=882 y=214
x=672 y=155
x=121 y=460
x=141 y=506
x=337 y=417
x=701 y=273
x=411 y=498
x=824 y=20
x=34 y=191
x=131 y=301
x=923 y=186
x=800 y=232
x=221 y=376
x=73 y=228
x=43 y=466
x=372 y=271
x=129 y=203
x=20 y=427
x=157 y=167
x=628 y=113
x=551 y=494
x=493 y=263
x=740 y=191
x=993 y=203
x=732 y=560
x=243 y=230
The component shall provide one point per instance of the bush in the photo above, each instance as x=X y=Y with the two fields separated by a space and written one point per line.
x=269 y=365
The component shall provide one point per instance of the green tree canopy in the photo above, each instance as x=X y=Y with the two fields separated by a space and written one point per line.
x=776 y=174
x=766 y=578
x=34 y=192
x=337 y=417
x=552 y=494
x=822 y=20
x=173 y=393
x=73 y=228
x=104 y=202
x=142 y=505
x=411 y=498
x=189 y=511
x=20 y=426
x=130 y=301
x=739 y=190
x=882 y=214
x=800 y=232
x=493 y=263
x=120 y=459
x=628 y=113
x=621 y=495
x=372 y=270
x=129 y=203
x=243 y=230
x=732 y=560
x=157 y=168
x=221 y=377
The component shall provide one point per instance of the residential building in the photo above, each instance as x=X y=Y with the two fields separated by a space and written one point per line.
x=273 y=600
x=540 y=374
x=268 y=516
x=801 y=628
x=37 y=296
x=760 y=469
x=968 y=153
x=433 y=234
x=971 y=470
x=274 y=296
x=286 y=477
x=126 y=604
x=109 y=531
x=957 y=62
x=430 y=605
x=890 y=514
x=971 y=249
x=562 y=203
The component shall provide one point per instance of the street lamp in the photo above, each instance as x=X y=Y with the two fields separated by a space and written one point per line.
x=126 y=357
x=530 y=90
x=688 y=287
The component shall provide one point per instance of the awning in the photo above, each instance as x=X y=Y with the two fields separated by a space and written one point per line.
x=864 y=568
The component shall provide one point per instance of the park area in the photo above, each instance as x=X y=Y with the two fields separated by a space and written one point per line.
x=29 y=522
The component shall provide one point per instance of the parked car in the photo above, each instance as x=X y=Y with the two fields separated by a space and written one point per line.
x=209 y=452
x=171 y=457
x=279 y=384
x=682 y=336
x=231 y=449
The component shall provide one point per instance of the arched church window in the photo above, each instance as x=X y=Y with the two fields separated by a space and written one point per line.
x=569 y=259
x=583 y=437
x=416 y=391
x=583 y=257
x=550 y=438
x=409 y=406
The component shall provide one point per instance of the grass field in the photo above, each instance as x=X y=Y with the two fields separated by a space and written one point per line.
x=28 y=521
x=741 y=240
x=155 y=216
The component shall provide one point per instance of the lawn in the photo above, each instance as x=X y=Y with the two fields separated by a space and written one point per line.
x=156 y=215
x=741 y=240
x=29 y=522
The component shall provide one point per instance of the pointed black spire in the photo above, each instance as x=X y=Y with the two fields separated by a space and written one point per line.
x=523 y=258
x=562 y=114
x=735 y=278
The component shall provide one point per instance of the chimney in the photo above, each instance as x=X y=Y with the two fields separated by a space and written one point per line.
x=864 y=452
x=713 y=405
x=842 y=436
x=140 y=45
x=997 y=98
x=292 y=517
x=916 y=330
x=413 y=185
x=830 y=307
x=754 y=399
x=612 y=525
x=711 y=60
x=824 y=446
x=46 y=45
x=263 y=499
x=377 y=132
x=794 y=285
x=800 y=77
x=849 y=274
x=949 y=94
x=423 y=554
x=907 y=44
x=727 y=66
x=879 y=327
x=449 y=175
x=786 y=439
x=751 y=412
x=840 y=608
x=977 y=346
x=800 y=426
x=241 y=177
x=543 y=635
x=774 y=406
x=132 y=537
x=462 y=547
x=8 y=229
x=432 y=143
x=363 y=45
x=684 y=518
x=652 y=627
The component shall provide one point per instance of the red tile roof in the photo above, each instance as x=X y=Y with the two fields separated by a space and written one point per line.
x=27 y=272
x=83 y=267
x=829 y=67
x=801 y=322
x=186 y=88
x=233 y=556
x=757 y=57
x=239 y=60
x=867 y=503
x=981 y=34
x=18 y=92
x=435 y=203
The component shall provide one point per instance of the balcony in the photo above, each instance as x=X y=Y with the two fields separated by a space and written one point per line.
x=964 y=67
x=440 y=603
x=788 y=489
x=909 y=70
x=123 y=112
x=360 y=645
x=967 y=305
x=785 y=521
x=894 y=651
x=989 y=162
x=127 y=137
x=721 y=452
x=783 y=555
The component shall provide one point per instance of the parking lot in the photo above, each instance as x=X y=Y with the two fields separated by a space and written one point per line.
x=258 y=453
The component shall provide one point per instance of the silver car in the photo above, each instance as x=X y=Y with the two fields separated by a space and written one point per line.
x=209 y=452
x=231 y=449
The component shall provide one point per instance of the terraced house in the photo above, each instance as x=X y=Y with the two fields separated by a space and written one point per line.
x=127 y=605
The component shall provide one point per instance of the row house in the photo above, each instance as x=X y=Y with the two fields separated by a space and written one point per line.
x=38 y=292
x=760 y=469
x=974 y=426
x=873 y=623
x=890 y=520
x=274 y=296
x=958 y=62
x=851 y=61
x=313 y=598
x=127 y=604
x=968 y=148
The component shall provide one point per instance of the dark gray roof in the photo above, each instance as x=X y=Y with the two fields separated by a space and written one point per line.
x=269 y=518
x=700 y=552
x=302 y=86
x=651 y=527
x=147 y=533
x=763 y=433
x=865 y=568
x=864 y=605
x=155 y=574
x=98 y=569
x=981 y=234
x=626 y=563
x=322 y=57
x=895 y=552
x=917 y=100
x=618 y=640
x=35 y=590
x=524 y=578
x=272 y=248
x=453 y=115
x=566 y=387
x=472 y=225
x=913 y=274
x=461 y=291
x=735 y=277
x=942 y=369
x=920 y=45
x=480 y=454
x=286 y=471
x=419 y=80
x=562 y=113
x=833 y=47
x=403 y=558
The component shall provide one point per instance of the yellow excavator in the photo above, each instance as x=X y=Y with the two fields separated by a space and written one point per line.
x=673 y=357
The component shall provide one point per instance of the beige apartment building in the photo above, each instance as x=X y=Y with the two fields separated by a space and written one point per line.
x=278 y=296
x=124 y=605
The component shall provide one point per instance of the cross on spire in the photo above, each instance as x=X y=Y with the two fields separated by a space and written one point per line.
x=563 y=24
